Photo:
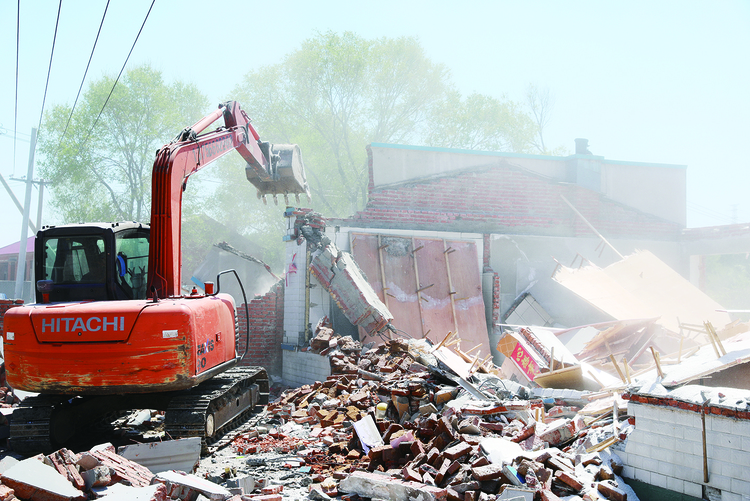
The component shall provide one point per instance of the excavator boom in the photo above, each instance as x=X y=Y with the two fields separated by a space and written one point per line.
x=273 y=169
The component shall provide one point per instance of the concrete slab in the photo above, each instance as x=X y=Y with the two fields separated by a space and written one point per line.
x=212 y=491
x=157 y=492
x=181 y=454
x=6 y=463
x=35 y=481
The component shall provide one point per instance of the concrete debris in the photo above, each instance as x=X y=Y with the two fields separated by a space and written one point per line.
x=384 y=425
x=181 y=454
x=339 y=274
x=101 y=473
x=181 y=485
x=33 y=480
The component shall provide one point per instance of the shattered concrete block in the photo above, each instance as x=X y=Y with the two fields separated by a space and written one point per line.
x=317 y=494
x=182 y=454
x=211 y=490
x=558 y=432
x=244 y=482
x=87 y=461
x=96 y=477
x=6 y=493
x=516 y=493
x=157 y=492
x=7 y=462
x=373 y=485
x=33 y=480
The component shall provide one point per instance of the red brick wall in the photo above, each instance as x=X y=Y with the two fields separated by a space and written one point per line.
x=502 y=199
x=5 y=305
x=266 y=330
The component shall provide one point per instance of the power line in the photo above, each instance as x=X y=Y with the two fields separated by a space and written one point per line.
x=711 y=213
x=85 y=72
x=119 y=75
x=49 y=69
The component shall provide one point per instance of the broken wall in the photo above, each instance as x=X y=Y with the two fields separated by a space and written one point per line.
x=526 y=263
x=296 y=330
x=266 y=330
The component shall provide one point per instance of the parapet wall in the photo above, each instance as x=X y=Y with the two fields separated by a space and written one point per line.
x=666 y=447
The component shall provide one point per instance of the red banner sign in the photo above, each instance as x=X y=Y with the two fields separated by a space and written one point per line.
x=524 y=361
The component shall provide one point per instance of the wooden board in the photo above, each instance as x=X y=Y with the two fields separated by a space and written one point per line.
x=437 y=314
x=398 y=265
x=467 y=282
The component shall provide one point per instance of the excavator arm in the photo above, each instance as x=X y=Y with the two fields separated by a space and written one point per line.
x=273 y=169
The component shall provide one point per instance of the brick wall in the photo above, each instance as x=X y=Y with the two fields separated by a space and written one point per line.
x=266 y=330
x=503 y=198
x=5 y=305
x=666 y=447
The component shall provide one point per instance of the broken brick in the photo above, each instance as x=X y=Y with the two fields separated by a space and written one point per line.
x=489 y=472
x=611 y=491
x=272 y=489
x=547 y=495
x=569 y=480
x=457 y=450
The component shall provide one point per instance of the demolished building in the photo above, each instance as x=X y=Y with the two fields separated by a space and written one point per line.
x=501 y=226
x=465 y=251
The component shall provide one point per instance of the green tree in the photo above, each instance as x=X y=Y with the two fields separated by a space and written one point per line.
x=335 y=95
x=480 y=122
x=338 y=93
x=101 y=170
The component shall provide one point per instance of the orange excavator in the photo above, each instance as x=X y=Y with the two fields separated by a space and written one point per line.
x=111 y=328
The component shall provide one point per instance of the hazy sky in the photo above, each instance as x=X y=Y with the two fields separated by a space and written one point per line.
x=657 y=82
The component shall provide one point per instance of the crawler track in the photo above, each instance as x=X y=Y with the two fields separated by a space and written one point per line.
x=208 y=411
x=30 y=424
x=224 y=399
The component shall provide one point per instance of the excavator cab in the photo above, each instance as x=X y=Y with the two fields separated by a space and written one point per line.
x=92 y=262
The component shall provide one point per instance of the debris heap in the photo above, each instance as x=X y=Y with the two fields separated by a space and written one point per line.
x=392 y=422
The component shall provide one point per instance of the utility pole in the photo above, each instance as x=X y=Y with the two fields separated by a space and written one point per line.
x=21 y=265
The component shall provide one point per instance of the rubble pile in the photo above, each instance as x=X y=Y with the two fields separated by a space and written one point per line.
x=393 y=423
x=99 y=473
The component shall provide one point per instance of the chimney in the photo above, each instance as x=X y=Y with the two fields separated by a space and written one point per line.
x=582 y=146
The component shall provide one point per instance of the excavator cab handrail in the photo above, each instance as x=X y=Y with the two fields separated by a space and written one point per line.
x=244 y=298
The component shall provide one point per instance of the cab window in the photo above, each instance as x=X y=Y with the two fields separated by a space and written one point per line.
x=131 y=264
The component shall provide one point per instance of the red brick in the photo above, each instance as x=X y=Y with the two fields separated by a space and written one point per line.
x=489 y=472
x=457 y=451
x=568 y=480
x=267 y=497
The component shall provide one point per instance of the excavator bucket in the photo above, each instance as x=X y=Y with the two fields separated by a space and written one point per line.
x=287 y=176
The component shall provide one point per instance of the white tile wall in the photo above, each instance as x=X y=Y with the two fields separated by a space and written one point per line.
x=300 y=367
x=666 y=450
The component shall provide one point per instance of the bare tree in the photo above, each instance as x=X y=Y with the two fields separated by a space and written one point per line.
x=540 y=103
